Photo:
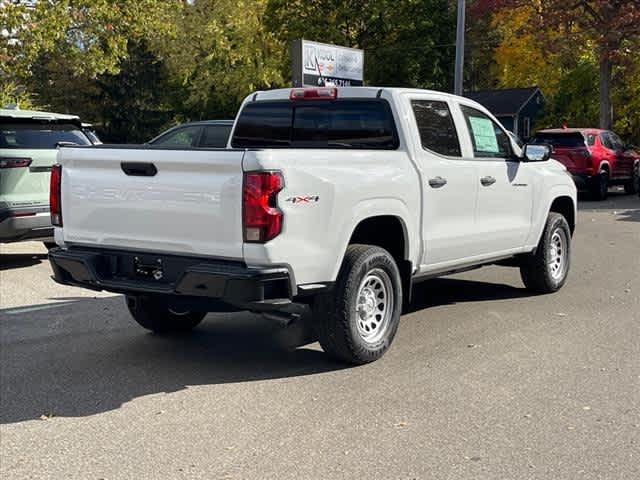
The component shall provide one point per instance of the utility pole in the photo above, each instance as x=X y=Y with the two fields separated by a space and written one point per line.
x=457 y=85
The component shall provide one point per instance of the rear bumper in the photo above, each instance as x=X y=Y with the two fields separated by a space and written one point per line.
x=32 y=223
x=133 y=273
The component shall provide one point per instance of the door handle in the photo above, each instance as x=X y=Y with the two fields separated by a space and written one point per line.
x=437 y=182
x=139 y=169
x=487 y=181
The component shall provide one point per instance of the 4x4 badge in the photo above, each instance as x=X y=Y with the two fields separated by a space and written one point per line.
x=304 y=199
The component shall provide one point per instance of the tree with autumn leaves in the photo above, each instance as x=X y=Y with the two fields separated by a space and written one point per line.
x=557 y=30
x=134 y=67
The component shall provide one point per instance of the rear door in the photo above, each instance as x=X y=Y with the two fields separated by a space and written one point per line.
x=449 y=186
x=503 y=209
x=174 y=201
x=28 y=149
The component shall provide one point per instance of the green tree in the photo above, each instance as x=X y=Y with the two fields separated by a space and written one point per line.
x=406 y=43
x=220 y=52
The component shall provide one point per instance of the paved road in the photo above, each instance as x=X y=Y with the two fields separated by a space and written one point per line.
x=483 y=381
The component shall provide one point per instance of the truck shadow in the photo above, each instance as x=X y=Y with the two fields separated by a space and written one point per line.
x=20 y=260
x=86 y=356
x=449 y=291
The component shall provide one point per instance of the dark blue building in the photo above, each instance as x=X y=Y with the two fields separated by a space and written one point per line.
x=516 y=108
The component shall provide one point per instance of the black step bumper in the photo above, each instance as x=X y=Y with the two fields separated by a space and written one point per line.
x=136 y=273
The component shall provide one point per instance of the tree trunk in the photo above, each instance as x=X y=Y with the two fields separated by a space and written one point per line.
x=606 y=110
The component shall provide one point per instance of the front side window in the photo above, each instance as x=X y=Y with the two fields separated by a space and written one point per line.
x=487 y=138
x=605 y=140
x=185 y=137
x=342 y=123
x=40 y=136
x=436 y=127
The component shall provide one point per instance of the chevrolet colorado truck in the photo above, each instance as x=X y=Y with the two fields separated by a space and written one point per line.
x=337 y=198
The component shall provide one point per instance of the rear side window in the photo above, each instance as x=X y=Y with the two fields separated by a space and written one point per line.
x=436 y=127
x=40 y=136
x=215 y=136
x=561 y=140
x=352 y=124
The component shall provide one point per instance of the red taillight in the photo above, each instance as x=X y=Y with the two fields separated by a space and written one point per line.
x=55 y=202
x=325 y=93
x=8 y=162
x=261 y=217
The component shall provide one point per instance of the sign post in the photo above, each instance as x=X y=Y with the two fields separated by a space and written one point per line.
x=316 y=64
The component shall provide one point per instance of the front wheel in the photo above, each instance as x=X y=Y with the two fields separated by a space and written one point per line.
x=546 y=270
x=633 y=185
x=358 y=320
x=156 y=315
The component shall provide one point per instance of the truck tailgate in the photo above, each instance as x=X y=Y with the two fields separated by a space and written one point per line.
x=191 y=205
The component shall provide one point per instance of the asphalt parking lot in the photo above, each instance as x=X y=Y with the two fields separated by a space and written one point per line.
x=483 y=381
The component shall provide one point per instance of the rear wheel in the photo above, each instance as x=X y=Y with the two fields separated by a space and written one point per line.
x=358 y=320
x=600 y=186
x=153 y=313
x=546 y=270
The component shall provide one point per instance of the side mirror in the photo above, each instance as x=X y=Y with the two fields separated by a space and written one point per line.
x=537 y=153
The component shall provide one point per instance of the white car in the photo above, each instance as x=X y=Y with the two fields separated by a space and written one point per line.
x=340 y=198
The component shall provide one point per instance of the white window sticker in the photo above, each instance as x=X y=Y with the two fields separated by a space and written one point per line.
x=484 y=135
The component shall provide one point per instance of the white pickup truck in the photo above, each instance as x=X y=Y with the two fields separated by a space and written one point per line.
x=336 y=198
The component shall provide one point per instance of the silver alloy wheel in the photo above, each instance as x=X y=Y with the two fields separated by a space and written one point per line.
x=557 y=261
x=374 y=306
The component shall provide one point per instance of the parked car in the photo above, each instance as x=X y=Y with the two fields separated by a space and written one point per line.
x=28 y=147
x=205 y=134
x=596 y=158
x=338 y=198
x=91 y=134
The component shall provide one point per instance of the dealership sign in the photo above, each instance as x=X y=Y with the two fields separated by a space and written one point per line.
x=318 y=64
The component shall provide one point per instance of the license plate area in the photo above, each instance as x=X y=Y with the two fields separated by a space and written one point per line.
x=148 y=268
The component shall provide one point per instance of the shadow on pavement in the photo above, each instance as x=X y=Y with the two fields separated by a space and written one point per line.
x=449 y=291
x=88 y=356
x=20 y=260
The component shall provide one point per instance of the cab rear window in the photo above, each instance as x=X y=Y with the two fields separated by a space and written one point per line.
x=343 y=123
x=561 y=140
x=40 y=136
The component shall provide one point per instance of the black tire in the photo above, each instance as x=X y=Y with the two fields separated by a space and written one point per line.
x=633 y=185
x=154 y=314
x=349 y=321
x=538 y=273
x=600 y=186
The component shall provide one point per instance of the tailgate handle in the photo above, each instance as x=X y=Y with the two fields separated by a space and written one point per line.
x=139 y=169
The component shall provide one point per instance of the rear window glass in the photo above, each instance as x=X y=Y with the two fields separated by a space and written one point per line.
x=562 y=140
x=40 y=136
x=355 y=124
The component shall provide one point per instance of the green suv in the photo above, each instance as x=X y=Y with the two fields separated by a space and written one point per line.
x=28 y=147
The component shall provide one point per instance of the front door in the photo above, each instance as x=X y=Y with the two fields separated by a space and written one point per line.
x=504 y=206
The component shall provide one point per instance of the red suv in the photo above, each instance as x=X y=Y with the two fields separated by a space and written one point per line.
x=595 y=158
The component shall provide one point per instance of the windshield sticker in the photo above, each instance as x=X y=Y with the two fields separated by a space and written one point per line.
x=484 y=135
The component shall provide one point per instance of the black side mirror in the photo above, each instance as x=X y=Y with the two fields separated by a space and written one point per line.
x=536 y=152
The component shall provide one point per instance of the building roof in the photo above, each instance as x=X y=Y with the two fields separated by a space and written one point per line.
x=504 y=102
